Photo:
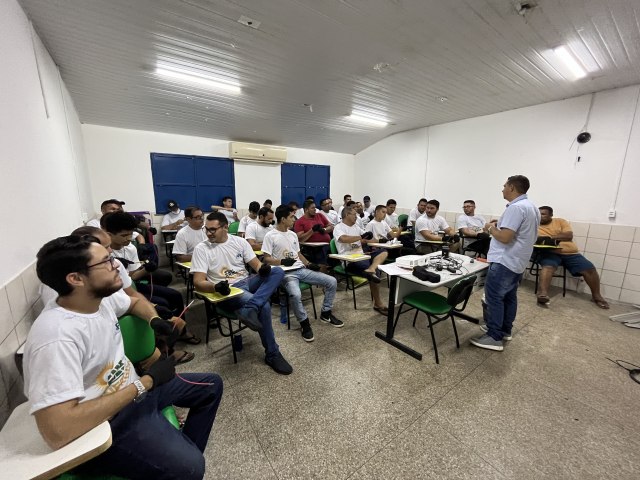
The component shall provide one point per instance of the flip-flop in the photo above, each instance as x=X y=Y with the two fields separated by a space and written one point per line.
x=184 y=358
x=383 y=310
x=601 y=303
x=189 y=338
x=543 y=299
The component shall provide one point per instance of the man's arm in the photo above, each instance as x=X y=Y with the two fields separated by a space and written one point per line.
x=64 y=422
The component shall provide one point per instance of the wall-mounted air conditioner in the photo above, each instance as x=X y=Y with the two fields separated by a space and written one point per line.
x=257 y=153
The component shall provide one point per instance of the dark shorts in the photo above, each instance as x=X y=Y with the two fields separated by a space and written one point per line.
x=356 y=268
x=575 y=263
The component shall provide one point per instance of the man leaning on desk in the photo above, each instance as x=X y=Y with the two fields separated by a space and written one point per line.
x=567 y=256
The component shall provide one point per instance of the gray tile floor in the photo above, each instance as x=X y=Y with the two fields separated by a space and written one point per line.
x=550 y=406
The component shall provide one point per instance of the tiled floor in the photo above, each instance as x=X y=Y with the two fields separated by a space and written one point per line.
x=550 y=406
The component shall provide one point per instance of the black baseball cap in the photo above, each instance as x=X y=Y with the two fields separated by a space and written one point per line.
x=111 y=200
x=171 y=204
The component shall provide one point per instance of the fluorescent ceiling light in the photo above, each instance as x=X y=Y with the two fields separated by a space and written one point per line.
x=569 y=61
x=365 y=120
x=194 y=78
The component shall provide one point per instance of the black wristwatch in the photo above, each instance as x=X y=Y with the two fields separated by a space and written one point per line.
x=142 y=392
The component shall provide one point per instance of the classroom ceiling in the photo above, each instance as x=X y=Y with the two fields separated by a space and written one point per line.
x=412 y=62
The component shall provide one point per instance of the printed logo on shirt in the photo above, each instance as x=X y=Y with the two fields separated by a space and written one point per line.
x=112 y=378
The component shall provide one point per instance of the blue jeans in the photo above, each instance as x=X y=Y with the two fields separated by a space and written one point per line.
x=145 y=445
x=291 y=284
x=258 y=291
x=500 y=292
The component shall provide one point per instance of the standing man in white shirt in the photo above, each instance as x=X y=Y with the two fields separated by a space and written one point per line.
x=327 y=210
x=257 y=230
x=349 y=240
x=220 y=262
x=281 y=247
x=188 y=237
x=174 y=219
x=432 y=227
x=227 y=209
x=251 y=217
x=471 y=226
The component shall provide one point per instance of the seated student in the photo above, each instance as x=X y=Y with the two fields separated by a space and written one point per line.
x=568 y=256
x=77 y=375
x=417 y=212
x=251 y=217
x=369 y=208
x=346 y=200
x=109 y=206
x=472 y=227
x=227 y=209
x=349 y=240
x=428 y=228
x=221 y=261
x=257 y=230
x=119 y=226
x=379 y=228
x=281 y=247
x=187 y=238
x=327 y=210
x=173 y=220
x=314 y=227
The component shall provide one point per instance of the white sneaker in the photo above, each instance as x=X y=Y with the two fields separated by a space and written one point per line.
x=505 y=337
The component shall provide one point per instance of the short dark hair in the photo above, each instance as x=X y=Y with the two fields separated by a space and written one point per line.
x=117 y=222
x=188 y=212
x=345 y=197
x=469 y=201
x=60 y=257
x=435 y=203
x=379 y=207
x=264 y=211
x=307 y=204
x=423 y=200
x=219 y=217
x=88 y=230
x=283 y=211
x=227 y=198
x=391 y=201
x=254 y=207
x=519 y=182
x=548 y=208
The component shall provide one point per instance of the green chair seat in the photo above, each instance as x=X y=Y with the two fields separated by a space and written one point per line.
x=428 y=302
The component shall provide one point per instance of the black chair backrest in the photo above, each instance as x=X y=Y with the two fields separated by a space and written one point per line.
x=461 y=292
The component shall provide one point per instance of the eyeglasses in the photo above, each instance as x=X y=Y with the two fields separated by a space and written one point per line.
x=110 y=260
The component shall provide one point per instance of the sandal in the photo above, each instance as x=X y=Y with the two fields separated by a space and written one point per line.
x=184 y=358
x=190 y=338
x=601 y=303
x=543 y=299
x=383 y=310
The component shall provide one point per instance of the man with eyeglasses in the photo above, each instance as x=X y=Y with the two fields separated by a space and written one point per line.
x=220 y=262
x=187 y=238
x=77 y=374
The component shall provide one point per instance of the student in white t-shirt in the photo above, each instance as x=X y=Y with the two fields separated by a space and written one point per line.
x=220 y=262
x=433 y=228
x=281 y=247
x=187 y=238
x=251 y=217
x=417 y=212
x=257 y=230
x=227 y=210
x=173 y=220
x=349 y=239
x=76 y=373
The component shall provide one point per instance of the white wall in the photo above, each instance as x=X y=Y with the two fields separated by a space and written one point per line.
x=472 y=158
x=127 y=153
x=43 y=177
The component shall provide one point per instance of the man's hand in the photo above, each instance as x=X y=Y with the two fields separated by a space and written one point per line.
x=162 y=371
x=161 y=326
x=367 y=235
x=287 y=262
x=265 y=270
x=223 y=288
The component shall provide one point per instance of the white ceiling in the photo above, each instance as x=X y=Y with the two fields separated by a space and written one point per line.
x=480 y=54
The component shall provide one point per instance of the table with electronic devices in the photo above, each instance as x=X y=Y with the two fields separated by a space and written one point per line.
x=403 y=282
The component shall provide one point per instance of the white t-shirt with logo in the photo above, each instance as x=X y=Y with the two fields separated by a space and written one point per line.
x=257 y=232
x=130 y=253
x=245 y=222
x=352 y=231
x=71 y=355
x=282 y=245
x=172 y=217
x=223 y=261
x=379 y=229
x=433 y=225
x=187 y=239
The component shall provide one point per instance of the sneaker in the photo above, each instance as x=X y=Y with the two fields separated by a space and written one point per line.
x=506 y=337
x=278 y=363
x=328 y=317
x=488 y=343
x=307 y=333
x=249 y=316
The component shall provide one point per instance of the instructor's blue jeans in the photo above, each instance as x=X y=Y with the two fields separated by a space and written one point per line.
x=500 y=293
